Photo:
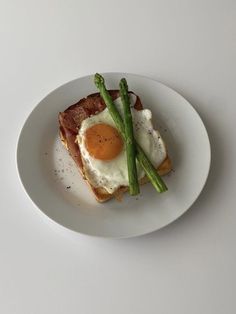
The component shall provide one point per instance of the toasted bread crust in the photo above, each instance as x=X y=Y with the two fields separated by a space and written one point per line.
x=70 y=122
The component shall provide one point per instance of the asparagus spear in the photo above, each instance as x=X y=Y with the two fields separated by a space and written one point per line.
x=100 y=83
x=144 y=161
x=149 y=169
x=130 y=141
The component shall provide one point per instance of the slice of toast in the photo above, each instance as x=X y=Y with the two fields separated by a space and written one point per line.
x=70 y=121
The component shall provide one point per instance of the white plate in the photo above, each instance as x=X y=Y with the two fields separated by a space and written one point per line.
x=53 y=183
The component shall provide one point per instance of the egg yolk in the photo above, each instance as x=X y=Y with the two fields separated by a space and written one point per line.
x=103 y=142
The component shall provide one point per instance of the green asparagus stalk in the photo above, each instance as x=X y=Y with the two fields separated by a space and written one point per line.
x=100 y=83
x=149 y=169
x=129 y=139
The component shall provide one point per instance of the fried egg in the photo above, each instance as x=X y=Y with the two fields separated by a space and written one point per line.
x=103 y=149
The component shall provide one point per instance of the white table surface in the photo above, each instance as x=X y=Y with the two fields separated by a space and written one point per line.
x=189 y=266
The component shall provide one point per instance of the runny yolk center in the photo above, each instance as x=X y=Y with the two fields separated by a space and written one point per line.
x=103 y=141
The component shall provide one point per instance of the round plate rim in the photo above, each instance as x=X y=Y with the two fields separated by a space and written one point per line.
x=99 y=235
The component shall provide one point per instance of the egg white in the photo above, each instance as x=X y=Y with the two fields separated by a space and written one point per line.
x=114 y=173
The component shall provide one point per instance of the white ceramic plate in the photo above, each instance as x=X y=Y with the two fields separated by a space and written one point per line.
x=52 y=181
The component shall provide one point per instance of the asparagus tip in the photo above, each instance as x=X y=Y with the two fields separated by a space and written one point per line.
x=98 y=79
x=123 y=84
